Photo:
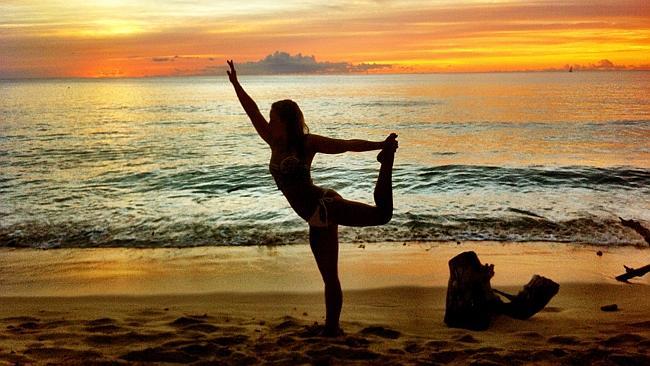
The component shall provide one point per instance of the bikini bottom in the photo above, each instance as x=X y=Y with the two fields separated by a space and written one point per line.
x=320 y=218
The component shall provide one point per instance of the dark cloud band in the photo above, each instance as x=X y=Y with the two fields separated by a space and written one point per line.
x=284 y=63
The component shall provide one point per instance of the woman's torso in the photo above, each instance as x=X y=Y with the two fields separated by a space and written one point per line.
x=292 y=174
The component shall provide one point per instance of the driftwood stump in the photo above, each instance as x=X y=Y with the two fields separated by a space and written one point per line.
x=470 y=299
x=472 y=303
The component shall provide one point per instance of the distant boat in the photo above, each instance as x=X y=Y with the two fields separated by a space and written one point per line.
x=570 y=68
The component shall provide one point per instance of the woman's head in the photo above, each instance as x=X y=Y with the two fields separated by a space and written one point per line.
x=287 y=119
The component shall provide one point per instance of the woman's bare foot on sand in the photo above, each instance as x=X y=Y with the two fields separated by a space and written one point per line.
x=338 y=332
x=318 y=330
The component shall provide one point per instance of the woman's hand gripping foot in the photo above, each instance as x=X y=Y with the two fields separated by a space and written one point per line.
x=390 y=146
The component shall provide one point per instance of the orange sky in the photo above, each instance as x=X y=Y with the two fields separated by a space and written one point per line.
x=104 y=38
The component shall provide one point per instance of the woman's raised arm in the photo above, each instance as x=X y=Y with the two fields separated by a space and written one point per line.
x=251 y=109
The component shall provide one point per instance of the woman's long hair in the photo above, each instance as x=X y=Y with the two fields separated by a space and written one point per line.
x=291 y=115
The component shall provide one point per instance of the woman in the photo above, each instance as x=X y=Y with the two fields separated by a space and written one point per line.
x=292 y=151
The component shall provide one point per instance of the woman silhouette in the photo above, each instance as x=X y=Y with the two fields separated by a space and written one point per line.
x=292 y=151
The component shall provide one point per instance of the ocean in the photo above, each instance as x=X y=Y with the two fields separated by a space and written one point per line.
x=174 y=162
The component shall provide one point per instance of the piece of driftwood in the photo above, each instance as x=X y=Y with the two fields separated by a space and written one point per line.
x=632 y=272
x=636 y=226
x=470 y=299
x=533 y=298
x=472 y=303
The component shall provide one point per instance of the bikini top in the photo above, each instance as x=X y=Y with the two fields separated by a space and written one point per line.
x=291 y=171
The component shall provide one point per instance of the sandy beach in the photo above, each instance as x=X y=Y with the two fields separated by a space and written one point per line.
x=260 y=305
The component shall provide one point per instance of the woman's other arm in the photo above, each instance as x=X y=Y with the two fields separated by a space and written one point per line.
x=328 y=145
x=251 y=109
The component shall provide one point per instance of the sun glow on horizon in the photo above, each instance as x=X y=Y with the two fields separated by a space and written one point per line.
x=112 y=38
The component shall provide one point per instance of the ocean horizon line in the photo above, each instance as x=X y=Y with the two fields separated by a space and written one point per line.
x=366 y=74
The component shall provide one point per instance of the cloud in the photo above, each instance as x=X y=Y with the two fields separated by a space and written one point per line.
x=284 y=63
x=364 y=67
x=163 y=59
x=177 y=57
x=602 y=65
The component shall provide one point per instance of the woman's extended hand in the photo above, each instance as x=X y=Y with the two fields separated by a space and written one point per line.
x=232 y=74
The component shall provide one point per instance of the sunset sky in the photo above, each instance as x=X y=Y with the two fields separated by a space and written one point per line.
x=108 y=38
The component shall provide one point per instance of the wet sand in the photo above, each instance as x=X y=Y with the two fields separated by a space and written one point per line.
x=259 y=305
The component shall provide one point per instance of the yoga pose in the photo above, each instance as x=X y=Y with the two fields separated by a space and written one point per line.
x=292 y=151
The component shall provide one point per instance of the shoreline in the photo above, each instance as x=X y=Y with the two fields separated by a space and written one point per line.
x=151 y=271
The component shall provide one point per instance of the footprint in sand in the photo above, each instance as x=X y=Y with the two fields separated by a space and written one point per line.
x=342 y=353
x=58 y=323
x=128 y=338
x=59 y=337
x=529 y=335
x=621 y=339
x=150 y=312
x=103 y=325
x=412 y=347
x=381 y=332
x=195 y=324
x=467 y=338
x=202 y=328
x=643 y=325
x=287 y=324
x=25 y=327
x=158 y=354
x=188 y=320
x=60 y=353
x=229 y=340
x=436 y=344
x=13 y=358
x=105 y=329
x=445 y=356
x=20 y=319
x=564 y=340
x=101 y=321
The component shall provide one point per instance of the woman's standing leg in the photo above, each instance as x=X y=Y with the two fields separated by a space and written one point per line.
x=324 y=244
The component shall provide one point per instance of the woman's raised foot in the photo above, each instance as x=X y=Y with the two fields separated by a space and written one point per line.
x=390 y=146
